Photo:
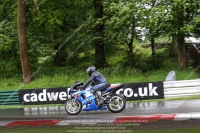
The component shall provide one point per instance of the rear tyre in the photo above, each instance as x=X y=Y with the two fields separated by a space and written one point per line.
x=119 y=105
x=73 y=108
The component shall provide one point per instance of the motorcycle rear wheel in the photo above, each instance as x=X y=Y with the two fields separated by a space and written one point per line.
x=119 y=105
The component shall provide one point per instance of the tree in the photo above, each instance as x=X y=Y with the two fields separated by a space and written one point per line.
x=121 y=25
x=181 y=22
x=173 y=47
x=179 y=14
x=152 y=18
x=23 y=42
x=175 y=18
x=61 y=27
x=100 y=54
x=8 y=38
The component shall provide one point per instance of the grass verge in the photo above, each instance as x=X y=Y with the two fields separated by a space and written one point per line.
x=63 y=129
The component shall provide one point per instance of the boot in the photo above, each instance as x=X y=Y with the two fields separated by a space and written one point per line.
x=100 y=99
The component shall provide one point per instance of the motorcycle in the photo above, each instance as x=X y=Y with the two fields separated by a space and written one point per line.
x=83 y=100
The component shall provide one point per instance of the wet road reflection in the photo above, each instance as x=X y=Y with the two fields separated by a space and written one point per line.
x=137 y=108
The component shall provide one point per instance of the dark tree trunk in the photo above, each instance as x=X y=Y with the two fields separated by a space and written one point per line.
x=153 y=51
x=100 y=56
x=60 y=55
x=130 y=48
x=23 y=43
x=131 y=55
x=129 y=43
x=173 y=47
x=182 y=55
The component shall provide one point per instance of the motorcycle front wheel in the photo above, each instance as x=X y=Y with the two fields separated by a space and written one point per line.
x=118 y=105
x=73 y=107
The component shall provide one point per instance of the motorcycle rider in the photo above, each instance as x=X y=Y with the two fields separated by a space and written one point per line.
x=99 y=81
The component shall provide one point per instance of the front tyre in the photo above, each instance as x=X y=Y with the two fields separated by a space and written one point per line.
x=118 y=105
x=73 y=107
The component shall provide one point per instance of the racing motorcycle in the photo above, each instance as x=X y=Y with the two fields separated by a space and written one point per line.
x=83 y=100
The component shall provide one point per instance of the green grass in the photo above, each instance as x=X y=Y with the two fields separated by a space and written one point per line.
x=65 y=77
x=63 y=129
x=183 y=130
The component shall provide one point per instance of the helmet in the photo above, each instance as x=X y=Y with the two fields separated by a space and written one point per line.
x=90 y=70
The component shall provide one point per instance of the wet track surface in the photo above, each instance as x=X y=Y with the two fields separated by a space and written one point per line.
x=138 y=108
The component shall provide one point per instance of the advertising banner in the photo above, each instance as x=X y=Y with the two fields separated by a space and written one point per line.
x=43 y=96
x=131 y=91
x=142 y=91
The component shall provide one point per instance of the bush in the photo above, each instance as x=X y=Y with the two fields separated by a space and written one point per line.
x=160 y=56
x=145 y=60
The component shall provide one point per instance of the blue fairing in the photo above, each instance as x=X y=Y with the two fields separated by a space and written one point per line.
x=88 y=96
x=91 y=106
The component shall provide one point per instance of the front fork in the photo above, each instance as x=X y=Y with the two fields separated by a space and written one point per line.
x=73 y=101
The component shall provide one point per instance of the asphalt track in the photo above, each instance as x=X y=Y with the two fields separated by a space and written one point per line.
x=132 y=109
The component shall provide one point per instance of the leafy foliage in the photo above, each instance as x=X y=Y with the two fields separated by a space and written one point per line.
x=61 y=33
